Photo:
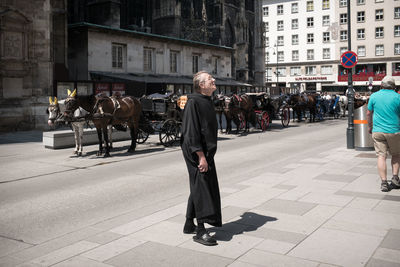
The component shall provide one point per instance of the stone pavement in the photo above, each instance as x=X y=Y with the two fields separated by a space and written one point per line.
x=324 y=210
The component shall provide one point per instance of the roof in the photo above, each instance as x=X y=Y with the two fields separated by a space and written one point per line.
x=161 y=78
x=97 y=26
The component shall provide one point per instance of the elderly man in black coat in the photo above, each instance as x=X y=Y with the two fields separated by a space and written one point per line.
x=199 y=145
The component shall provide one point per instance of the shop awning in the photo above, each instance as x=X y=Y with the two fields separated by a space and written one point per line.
x=159 y=78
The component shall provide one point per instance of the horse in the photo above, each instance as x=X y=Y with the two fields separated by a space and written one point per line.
x=244 y=104
x=301 y=102
x=56 y=109
x=117 y=111
x=88 y=103
x=55 y=116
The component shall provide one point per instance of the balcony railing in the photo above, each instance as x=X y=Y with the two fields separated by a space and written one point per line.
x=363 y=76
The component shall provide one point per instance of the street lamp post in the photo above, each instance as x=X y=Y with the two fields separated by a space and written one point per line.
x=268 y=48
x=277 y=72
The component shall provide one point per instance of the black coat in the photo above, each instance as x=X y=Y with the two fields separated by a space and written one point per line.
x=199 y=133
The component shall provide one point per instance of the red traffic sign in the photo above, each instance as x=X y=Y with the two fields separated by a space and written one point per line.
x=349 y=59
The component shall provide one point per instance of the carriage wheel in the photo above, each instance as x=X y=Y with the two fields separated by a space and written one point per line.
x=142 y=136
x=169 y=132
x=263 y=120
x=285 y=116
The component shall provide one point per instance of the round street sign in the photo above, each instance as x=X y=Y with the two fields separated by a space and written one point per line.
x=370 y=87
x=348 y=59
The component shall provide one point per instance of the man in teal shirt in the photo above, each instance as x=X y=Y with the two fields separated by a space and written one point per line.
x=384 y=123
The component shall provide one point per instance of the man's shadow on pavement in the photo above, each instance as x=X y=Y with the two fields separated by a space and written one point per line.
x=248 y=222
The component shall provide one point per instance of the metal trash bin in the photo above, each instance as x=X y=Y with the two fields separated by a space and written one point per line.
x=362 y=138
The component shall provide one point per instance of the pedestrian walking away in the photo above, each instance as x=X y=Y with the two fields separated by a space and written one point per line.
x=383 y=116
x=199 y=145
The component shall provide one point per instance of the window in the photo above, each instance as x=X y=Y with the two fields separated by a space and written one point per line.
x=117 y=56
x=379 y=14
x=342 y=50
x=360 y=34
x=295 y=71
x=173 y=62
x=295 y=8
x=295 y=55
x=325 y=20
x=379 y=50
x=266 y=41
x=360 y=2
x=361 y=16
x=343 y=3
x=147 y=59
x=397 y=49
x=195 y=63
x=282 y=71
x=343 y=35
x=379 y=32
x=310 y=54
x=215 y=65
x=295 y=39
x=265 y=11
x=326 y=37
x=397 y=12
x=279 y=10
x=267 y=57
x=343 y=18
x=361 y=51
x=310 y=6
x=311 y=70
x=269 y=73
x=396 y=30
x=266 y=26
x=326 y=53
x=280 y=41
x=310 y=22
x=310 y=38
x=326 y=70
x=295 y=24
x=280 y=25
x=378 y=1
x=281 y=56
x=325 y=4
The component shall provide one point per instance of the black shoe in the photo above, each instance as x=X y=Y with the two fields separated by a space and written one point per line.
x=385 y=186
x=204 y=238
x=189 y=228
x=395 y=182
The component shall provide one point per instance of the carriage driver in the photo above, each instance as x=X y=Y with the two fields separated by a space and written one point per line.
x=384 y=123
x=199 y=145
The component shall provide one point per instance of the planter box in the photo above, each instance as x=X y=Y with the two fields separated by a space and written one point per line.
x=65 y=138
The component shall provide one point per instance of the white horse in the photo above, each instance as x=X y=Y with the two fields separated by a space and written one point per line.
x=55 y=111
x=343 y=103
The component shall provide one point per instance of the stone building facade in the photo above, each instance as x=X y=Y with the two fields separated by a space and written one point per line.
x=231 y=23
x=32 y=54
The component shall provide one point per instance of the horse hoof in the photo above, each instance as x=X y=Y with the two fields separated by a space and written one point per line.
x=98 y=153
x=130 y=150
x=80 y=154
x=106 y=155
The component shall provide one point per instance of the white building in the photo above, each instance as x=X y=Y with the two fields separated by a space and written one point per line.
x=304 y=40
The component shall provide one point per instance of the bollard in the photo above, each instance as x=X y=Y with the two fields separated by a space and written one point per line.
x=362 y=138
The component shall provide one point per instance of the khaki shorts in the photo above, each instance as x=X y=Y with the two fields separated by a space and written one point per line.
x=386 y=142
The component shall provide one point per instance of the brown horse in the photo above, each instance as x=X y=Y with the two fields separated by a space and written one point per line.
x=117 y=111
x=301 y=103
x=242 y=104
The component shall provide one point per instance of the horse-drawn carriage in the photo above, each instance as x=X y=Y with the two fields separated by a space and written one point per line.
x=268 y=108
x=164 y=116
